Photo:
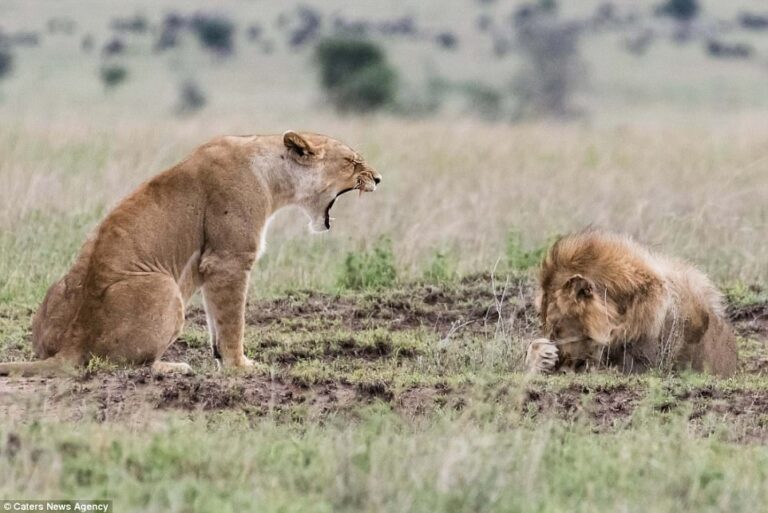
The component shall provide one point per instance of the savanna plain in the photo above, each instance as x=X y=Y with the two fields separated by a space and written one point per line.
x=390 y=350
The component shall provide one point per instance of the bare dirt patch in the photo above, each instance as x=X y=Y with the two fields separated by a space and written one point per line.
x=477 y=302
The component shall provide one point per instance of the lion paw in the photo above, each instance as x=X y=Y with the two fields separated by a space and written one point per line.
x=542 y=356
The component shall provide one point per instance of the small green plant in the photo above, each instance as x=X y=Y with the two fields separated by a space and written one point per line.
x=96 y=365
x=374 y=269
x=355 y=74
x=741 y=294
x=520 y=258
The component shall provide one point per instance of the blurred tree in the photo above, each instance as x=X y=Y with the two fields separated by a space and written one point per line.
x=552 y=69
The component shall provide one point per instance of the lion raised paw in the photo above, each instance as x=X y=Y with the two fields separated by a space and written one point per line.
x=541 y=357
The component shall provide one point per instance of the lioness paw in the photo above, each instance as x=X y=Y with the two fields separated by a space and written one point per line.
x=242 y=363
x=542 y=356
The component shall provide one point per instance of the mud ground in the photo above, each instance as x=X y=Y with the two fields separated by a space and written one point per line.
x=477 y=305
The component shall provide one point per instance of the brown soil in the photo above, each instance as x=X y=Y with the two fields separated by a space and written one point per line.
x=138 y=396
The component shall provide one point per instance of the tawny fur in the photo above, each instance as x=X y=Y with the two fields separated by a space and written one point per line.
x=604 y=299
x=197 y=226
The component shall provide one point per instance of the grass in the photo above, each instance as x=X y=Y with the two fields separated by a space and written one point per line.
x=389 y=351
x=486 y=460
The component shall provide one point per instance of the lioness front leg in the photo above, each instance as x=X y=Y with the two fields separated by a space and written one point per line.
x=225 y=285
x=542 y=356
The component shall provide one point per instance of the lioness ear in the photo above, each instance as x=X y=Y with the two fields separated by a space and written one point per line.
x=299 y=148
x=579 y=286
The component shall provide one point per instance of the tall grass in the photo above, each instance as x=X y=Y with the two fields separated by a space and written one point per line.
x=696 y=191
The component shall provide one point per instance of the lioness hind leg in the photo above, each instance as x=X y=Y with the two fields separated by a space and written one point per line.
x=55 y=366
x=159 y=367
x=141 y=317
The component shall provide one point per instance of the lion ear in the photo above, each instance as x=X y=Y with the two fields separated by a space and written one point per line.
x=299 y=147
x=580 y=287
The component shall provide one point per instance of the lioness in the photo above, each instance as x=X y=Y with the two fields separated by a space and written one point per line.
x=604 y=299
x=199 y=225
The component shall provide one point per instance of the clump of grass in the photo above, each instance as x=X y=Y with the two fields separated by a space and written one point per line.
x=374 y=269
x=521 y=257
x=740 y=294
x=441 y=268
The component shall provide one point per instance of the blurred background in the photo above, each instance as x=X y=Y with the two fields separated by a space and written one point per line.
x=496 y=124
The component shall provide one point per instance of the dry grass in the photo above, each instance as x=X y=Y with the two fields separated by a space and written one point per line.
x=696 y=190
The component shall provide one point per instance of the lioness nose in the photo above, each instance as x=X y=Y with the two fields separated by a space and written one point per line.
x=377 y=180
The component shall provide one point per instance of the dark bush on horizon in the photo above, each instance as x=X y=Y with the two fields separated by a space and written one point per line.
x=355 y=74
x=723 y=50
x=6 y=62
x=113 y=75
x=191 y=98
x=681 y=10
x=752 y=21
x=216 y=33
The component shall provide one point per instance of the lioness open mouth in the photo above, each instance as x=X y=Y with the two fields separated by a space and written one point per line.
x=328 y=208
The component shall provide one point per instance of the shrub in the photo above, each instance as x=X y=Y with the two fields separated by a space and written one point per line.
x=355 y=74
x=137 y=24
x=681 y=10
x=191 y=97
x=113 y=75
x=305 y=27
x=752 y=21
x=372 y=269
x=115 y=46
x=722 y=50
x=447 y=40
x=169 y=31
x=214 y=32
x=483 y=100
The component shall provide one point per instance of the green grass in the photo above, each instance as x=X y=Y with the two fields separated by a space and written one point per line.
x=482 y=459
x=385 y=381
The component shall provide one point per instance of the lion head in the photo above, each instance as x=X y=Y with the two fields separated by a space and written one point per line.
x=328 y=169
x=578 y=319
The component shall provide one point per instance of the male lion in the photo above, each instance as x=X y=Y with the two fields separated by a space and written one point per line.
x=199 y=225
x=604 y=299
